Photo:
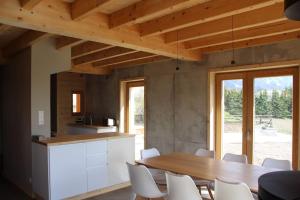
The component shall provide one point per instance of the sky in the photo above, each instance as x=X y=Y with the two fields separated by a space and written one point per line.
x=269 y=83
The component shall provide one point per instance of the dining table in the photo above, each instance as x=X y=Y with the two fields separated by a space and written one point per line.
x=208 y=168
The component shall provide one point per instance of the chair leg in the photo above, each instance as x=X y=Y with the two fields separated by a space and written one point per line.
x=133 y=196
x=210 y=193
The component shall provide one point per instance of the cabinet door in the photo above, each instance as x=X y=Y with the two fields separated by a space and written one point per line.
x=119 y=151
x=96 y=153
x=68 y=176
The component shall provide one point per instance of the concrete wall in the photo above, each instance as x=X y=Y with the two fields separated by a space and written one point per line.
x=16 y=115
x=177 y=100
x=45 y=60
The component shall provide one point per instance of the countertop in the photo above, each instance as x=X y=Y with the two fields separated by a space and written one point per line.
x=71 y=139
x=90 y=126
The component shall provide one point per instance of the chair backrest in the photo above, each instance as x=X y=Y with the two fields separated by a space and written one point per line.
x=235 y=158
x=205 y=153
x=277 y=164
x=142 y=181
x=181 y=187
x=149 y=153
x=234 y=191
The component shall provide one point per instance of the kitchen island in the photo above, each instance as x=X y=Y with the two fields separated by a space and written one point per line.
x=81 y=166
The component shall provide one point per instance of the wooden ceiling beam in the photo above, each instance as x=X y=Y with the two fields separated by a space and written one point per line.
x=29 y=4
x=22 y=42
x=88 y=48
x=59 y=22
x=102 y=55
x=148 y=9
x=82 y=8
x=139 y=62
x=262 y=16
x=90 y=69
x=253 y=33
x=253 y=42
x=63 y=42
x=123 y=59
x=205 y=12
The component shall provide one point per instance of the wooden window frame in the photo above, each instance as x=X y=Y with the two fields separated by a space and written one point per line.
x=81 y=102
x=130 y=84
x=248 y=103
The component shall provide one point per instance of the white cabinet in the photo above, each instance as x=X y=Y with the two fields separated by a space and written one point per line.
x=67 y=170
x=119 y=151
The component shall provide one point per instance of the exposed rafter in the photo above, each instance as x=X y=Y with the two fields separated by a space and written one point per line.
x=240 y=21
x=148 y=9
x=58 y=21
x=139 y=62
x=88 y=48
x=205 y=12
x=253 y=42
x=89 y=69
x=123 y=59
x=63 y=42
x=102 y=55
x=253 y=33
x=22 y=42
x=29 y=4
x=83 y=8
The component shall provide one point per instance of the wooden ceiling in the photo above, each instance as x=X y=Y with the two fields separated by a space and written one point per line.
x=108 y=34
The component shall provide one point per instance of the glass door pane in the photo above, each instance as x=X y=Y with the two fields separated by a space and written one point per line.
x=232 y=117
x=273 y=118
x=136 y=117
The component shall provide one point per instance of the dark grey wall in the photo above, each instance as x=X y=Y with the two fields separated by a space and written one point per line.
x=16 y=119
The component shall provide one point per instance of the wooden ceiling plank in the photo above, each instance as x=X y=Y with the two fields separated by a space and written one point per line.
x=253 y=42
x=205 y=12
x=22 y=42
x=82 y=8
x=123 y=58
x=253 y=33
x=29 y=4
x=58 y=21
x=148 y=9
x=88 y=48
x=102 y=55
x=240 y=21
x=139 y=62
x=63 y=42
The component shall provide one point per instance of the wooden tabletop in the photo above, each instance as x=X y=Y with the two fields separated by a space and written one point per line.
x=207 y=168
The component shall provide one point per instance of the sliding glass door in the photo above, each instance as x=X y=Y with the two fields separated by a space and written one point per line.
x=257 y=114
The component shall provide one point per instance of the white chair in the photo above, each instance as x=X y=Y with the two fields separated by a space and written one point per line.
x=158 y=175
x=235 y=158
x=277 y=164
x=205 y=153
x=181 y=187
x=204 y=183
x=149 y=153
x=143 y=183
x=232 y=191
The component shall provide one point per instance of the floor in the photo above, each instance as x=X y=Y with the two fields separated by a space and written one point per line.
x=10 y=191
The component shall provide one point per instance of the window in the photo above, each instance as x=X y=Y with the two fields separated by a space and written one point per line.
x=77 y=102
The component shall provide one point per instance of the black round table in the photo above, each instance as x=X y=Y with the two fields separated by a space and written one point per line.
x=282 y=185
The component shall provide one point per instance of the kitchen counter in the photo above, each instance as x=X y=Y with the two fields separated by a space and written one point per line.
x=71 y=139
x=81 y=166
x=79 y=129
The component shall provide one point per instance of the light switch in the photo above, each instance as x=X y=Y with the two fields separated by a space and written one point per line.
x=41 y=117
